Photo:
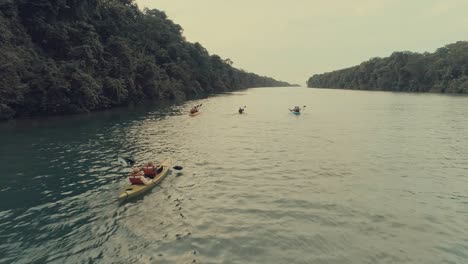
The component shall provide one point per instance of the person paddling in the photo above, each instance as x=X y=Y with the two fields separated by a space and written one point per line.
x=241 y=110
x=297 y=109
x=138 y=178
x=151 y=171
x=194 y=109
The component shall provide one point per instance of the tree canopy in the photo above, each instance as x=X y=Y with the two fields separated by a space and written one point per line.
x=444 y=71
x=74 y=56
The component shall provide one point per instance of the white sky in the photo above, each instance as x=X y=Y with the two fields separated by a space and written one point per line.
x=290 y=40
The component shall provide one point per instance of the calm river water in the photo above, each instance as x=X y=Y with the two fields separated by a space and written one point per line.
x=359 y=177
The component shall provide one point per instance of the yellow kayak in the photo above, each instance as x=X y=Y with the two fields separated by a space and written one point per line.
x=132 y=191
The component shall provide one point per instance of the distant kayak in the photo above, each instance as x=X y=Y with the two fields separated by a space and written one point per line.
x=194 y=111
x=132 y=190
x=297 y=110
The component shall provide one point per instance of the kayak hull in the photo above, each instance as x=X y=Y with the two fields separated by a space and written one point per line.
x=296 y=113
x=132 y=191
x=194 y=114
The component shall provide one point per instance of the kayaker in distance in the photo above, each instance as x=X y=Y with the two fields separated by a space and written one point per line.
x=138 y=177
x=241 y=110
x=297 y=109
x=193 y=110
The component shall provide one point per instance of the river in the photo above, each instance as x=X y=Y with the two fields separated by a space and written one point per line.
x=358 y=177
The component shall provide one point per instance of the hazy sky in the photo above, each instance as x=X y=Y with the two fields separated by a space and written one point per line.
x=292 y=39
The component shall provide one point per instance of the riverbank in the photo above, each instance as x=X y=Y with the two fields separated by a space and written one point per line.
x=82 y=56
x=443 y=71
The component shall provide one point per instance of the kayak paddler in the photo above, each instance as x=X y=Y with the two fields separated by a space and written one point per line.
x=138 y=177
x=194 y=109
x=150 y=170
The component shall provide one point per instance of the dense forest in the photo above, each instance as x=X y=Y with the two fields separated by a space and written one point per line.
x=444 y=71
x=74 y=56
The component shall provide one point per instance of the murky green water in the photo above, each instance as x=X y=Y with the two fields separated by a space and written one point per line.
x=359 y=177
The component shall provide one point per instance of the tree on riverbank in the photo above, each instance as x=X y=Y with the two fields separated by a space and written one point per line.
x=444 y=71
x=73 y=56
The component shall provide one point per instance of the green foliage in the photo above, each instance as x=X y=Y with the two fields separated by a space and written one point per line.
x=74 y=56
x=445 y=71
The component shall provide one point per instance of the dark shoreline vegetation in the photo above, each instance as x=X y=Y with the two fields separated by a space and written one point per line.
x=444 y=71
x=75 y=56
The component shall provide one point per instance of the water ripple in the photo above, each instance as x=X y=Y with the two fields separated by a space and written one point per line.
x=358 y=178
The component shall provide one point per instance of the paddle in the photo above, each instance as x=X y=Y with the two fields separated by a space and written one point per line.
x=126 y=161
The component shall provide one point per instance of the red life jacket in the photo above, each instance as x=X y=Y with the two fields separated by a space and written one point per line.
x=136 y=179
x=149 y=171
